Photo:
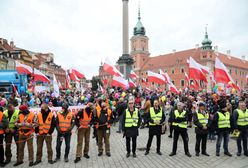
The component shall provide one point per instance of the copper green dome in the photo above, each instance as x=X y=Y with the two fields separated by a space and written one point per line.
x=139 y=29
x=206 y=42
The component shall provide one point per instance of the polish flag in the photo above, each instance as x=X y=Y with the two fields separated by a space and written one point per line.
x=133 y=75
x=38 y=76
x=120 y=82
x=204 y=69
x=166 y=76
x=195 y=71
x=60 y=86
x=132 y=84
x=110 y=68
x=173 y=88
x=73 y=76
x=101 y=89
x=77 y=73
x=194 y=85
x=147 y=90
x=23 y=69
x=68 y=81
x=143 y=80
x=105 y=81
x=187 y=78
x=14 y=89
x=155 y=77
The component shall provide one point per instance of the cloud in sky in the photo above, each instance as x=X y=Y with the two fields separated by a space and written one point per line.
x=81 y=33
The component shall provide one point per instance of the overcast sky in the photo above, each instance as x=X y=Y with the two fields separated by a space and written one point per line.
x=81 y=33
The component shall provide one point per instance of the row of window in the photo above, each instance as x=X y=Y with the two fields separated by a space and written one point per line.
x=241 y=73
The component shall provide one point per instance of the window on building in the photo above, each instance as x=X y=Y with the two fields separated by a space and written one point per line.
x=236 y=71
x=173 y=82
x=134 y=49
x=182 y=83
x=165 y=70
x=172 y=71
x=182 y=70
x=143 y=59
x=230 y=71
x=240 y=73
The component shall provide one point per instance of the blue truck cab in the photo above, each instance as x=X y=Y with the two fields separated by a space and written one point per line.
x=9 y=77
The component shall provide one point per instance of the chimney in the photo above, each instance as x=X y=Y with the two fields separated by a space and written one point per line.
x=243 y=57
x=216 y=49
x=196 y=46
x=228 y=52
x=12 y=45
x=174 y=50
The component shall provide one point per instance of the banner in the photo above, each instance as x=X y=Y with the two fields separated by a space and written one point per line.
x=73 y=109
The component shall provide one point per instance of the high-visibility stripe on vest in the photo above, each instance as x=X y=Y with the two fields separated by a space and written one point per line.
x=85 y=121
x=44 y=127
x=182 y=115
x=131 y=121
x=65 y=122
x=203 y=119
x=108 y=119
x=242 y=118
x=155 y=117
x=224 y=120
x=1 y=119
x=13 y=118
x=24 y=130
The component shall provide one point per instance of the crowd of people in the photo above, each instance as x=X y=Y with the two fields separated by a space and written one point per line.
x=213 y=115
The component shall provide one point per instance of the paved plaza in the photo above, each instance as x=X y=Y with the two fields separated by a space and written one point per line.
x=118 y=158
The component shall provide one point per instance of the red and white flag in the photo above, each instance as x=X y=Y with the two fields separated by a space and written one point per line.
x=119 y=81
x=195 y=71
x=247 y=79
x=101 y=89
x=60 y=86
x=133 y=75
x=143 y=80
x=204 y=69
x=105 y=81
x=155 y=77
x=68 y=81
x=110 y=68
x=38 y=76
x=173 y=88
x=187 y=78
x=77 y=73
x=132 y=84
x=14 y=89
x=166 y=76
x=23 y=69
x=73 y=76
x=55 y=86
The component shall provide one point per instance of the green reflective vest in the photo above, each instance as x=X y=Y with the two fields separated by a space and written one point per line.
x=178 y=115
x=131 y=121
x=242 y=118
x=155 y=117
x=203 y=119
x=13 y=118
x=224 y=120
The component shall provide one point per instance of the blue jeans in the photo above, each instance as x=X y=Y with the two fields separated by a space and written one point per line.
x=243 y=137
x=221 y=135
x=67 y=138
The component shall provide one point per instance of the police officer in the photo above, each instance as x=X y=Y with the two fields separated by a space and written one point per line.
x=222 y=121
x=84 y=120
x=46 y=121
x=104 y=119
x=3 y=125
x=11 y=131
x=64 y=124
x=240 y=118
x=179 y=120
x=131 y=122
x=155 y=118
x=201 y=121
x=26 y=124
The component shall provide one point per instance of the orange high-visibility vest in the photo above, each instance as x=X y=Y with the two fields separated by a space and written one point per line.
x=1 y=119
x=65 y=123
x=109 y=115
x=29 y=120
x=44 y=127
x=85 y=121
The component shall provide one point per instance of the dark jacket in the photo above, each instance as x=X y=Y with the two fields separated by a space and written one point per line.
x=178 y=120
x=157 y=129
x=215 y=123
x=103 y=119
x=235 y=120
x=72 y=123
x=5 y=122
x=199 y=126
x=53 y=123
x=80 y=115
x=120 y=108
x=130 y=131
